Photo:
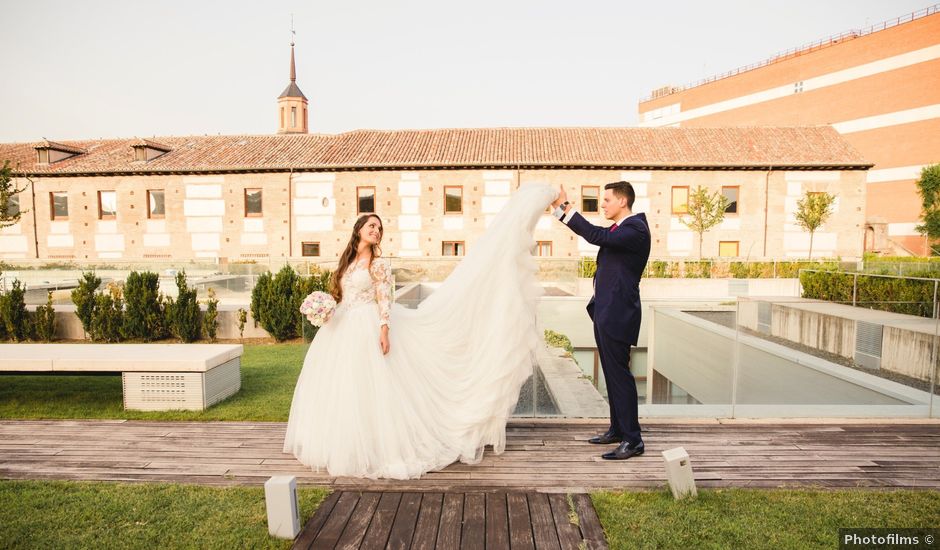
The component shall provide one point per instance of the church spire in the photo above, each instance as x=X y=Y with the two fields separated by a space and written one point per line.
x=293 y=71
x=292 y=104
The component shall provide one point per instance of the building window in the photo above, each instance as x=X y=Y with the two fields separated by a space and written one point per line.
x=680 y=200
x=282 y=117
x=452 y=248
x=156 y=208
x=728 y=249
x=59 y=205
x=107 y=205
x=293 y=117
x=13 y=206
x=310 y=249
x=543 y=248
x=798 y=87
x=365 y=200
x=731 y=193
x=589 y=194
x=453 y=200
x=253 y=203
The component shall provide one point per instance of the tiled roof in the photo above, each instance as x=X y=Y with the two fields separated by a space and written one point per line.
x=675 y=148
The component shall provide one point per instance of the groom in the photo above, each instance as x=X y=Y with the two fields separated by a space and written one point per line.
x=615 y=307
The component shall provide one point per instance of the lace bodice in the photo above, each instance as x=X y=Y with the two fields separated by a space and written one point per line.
x=363 y=285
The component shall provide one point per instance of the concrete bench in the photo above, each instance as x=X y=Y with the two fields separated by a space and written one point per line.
x=156 y=377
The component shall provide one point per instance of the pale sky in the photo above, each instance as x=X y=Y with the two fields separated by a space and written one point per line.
x=102 y=69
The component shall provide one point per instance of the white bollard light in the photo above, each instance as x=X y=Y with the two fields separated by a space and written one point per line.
x=280 y=497
x=679 y=473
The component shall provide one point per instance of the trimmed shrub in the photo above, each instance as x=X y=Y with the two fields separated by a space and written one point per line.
x=45 y=321
x=898 y=295
x=84 y=299
x=13 y=312
x=107 y=320
x=144 y=318
x=182 y=314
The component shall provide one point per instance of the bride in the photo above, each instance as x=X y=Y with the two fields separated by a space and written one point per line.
x=392 y=392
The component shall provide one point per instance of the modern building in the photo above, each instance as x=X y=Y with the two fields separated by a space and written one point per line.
x=879 y=87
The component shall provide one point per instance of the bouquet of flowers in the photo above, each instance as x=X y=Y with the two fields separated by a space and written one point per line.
x=318 y=307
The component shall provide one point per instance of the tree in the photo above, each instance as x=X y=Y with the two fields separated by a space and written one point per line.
x=929 y=188
x=812 y=211
x=706 y=210
x=10 y=211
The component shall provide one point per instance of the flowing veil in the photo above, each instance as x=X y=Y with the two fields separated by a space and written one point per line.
x=482 y=319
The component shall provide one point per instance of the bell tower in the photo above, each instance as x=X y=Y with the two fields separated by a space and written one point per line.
x=292 y=104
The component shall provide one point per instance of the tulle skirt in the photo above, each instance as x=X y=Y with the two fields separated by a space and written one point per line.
x=453 y=372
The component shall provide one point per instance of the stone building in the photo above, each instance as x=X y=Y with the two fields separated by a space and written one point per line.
x=297 y=194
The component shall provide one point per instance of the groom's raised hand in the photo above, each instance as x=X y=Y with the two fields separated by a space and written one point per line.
x=562 y=196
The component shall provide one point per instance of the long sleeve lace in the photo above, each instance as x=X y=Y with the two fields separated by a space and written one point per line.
x=382 y=282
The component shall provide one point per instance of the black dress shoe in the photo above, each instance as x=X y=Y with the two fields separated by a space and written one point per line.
x=624 y=451
x=605 y=439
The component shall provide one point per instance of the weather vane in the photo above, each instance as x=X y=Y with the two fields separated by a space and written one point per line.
x=292 y=33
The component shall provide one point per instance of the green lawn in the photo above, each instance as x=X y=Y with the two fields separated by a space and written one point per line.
x=269 y=373
x=752 y=518
x=65 y=514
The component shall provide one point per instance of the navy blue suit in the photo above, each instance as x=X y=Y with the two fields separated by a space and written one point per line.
x=615 y=310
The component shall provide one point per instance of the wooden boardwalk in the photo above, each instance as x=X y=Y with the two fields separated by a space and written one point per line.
x=541 y=456
x=494 y=520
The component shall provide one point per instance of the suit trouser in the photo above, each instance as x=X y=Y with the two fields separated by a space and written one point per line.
x=621 y=386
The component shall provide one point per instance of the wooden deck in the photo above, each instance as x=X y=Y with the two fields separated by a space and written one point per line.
x=541 y=456
x=452 y=521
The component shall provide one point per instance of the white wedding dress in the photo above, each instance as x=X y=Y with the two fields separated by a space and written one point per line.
x=454 y=369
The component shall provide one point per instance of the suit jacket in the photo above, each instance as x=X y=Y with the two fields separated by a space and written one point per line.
x=615 y=307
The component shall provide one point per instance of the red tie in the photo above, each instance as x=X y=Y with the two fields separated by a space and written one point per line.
x=613 y=227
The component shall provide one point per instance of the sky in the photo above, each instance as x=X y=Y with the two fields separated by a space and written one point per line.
x=107 y=69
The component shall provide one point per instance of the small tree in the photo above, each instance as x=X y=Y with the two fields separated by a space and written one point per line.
x=929 y=188
x=10 y=211
x=84 y=299
x=706 y=210
x=13 y=312
x=210 y=319
x=45 y=321
x=242 y=320
x=812 y=211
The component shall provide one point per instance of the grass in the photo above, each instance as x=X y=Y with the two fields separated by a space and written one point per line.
x=752 y=518
x=269 y=374
x=67 y=514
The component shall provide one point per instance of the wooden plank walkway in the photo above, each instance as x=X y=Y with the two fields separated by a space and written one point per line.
x=541 y=455
x=430 y=520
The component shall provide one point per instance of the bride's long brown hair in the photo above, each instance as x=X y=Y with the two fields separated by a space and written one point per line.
x=349 y=254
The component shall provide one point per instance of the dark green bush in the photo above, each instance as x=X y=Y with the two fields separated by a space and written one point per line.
x=45 y=321
x=182 y=314
x=144 y=318
x=107 y=320
x=275 y=301
x=84 y=299
x=13 y=312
